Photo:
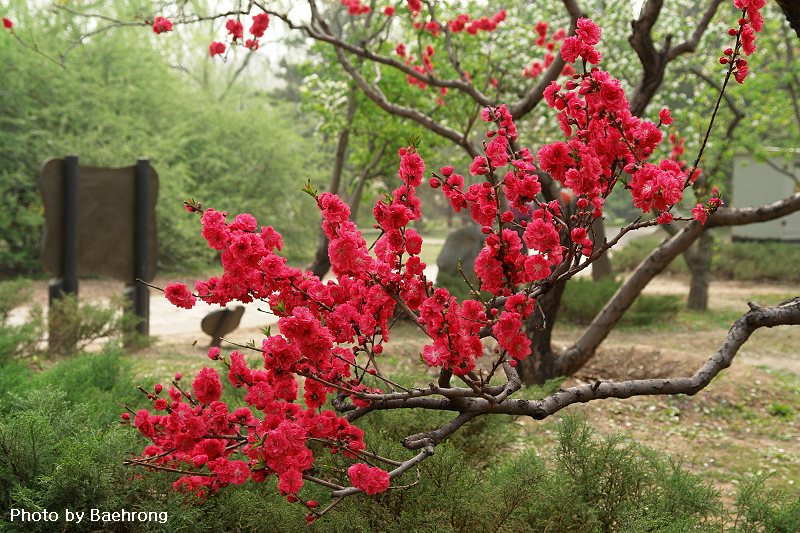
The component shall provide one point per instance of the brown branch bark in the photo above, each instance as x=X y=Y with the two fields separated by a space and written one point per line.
x=376 y=95
x=326 y=36
x=788 y=313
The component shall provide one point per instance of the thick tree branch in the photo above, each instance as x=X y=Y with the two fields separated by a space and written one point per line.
x=426 y=452
x=690 y=45
x=748 y=215
x=787 y=313
x=436 y=436
x=377 y=96
x=580 y=352
x=654 y=62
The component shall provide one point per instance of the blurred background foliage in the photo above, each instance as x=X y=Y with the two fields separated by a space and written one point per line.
x=126 y=94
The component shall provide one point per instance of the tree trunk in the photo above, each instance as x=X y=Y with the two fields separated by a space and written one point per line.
x=699 y=263
x=542 y=363
x=322 y=262
x=355 y=199
x=370 y=171
x=584 y=349
x=601 y=269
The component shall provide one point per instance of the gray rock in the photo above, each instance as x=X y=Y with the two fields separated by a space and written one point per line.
x=464 y=243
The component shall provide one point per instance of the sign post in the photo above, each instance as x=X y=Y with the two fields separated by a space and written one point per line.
x=99 y=222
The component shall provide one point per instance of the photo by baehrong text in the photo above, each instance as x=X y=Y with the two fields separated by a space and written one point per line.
x=88 y=515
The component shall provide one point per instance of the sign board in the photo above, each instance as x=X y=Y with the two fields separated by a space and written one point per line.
x=105 y=221
x=761 y=182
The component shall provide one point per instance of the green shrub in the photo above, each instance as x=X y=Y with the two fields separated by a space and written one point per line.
x=761 y=509
x=60 y=447
x=81 y=323
x=584 y=298
x=19 y=340
x=628 y=258
x=778 y=261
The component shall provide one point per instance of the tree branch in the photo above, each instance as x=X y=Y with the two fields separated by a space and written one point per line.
x=787 y=313
x=327 y=36
x=377 y=96
x=397 y=472
x=690 y=45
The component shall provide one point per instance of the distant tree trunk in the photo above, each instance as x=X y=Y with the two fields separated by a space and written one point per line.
x=698 y=260
x=322 y=262
x=358 y=192
x=601 y=269
x=369 y=172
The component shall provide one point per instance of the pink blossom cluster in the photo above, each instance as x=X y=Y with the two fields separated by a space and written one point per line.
x=355 y=7
x=750 y=23
x=538 y=67
x=235 y=29
x=194 y=432
x=162 y=25
x=604 y=138
x=462 y=23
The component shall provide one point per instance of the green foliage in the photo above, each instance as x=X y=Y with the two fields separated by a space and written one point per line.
x=780 y=410
x=76 y=323
x=761 y=509
x=110 y=106
x=457 y=286
x=584 y=298
x=21 y=339
x=779 y=261
x=12 y=295
x=54 y=432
